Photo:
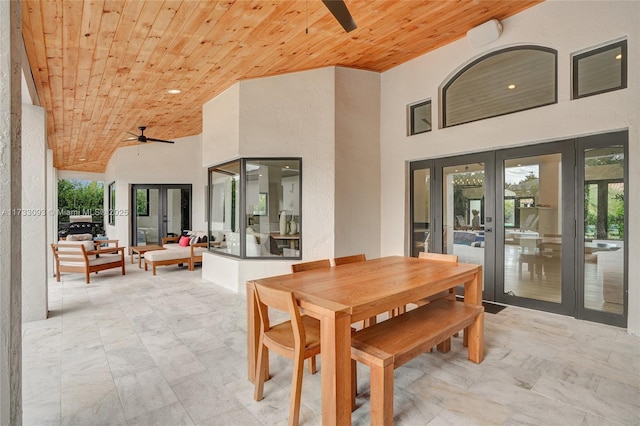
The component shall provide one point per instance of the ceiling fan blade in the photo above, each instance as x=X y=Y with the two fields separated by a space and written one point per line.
x=133 y=134
x=159 y=140
x=341 y=13
x=130 y=139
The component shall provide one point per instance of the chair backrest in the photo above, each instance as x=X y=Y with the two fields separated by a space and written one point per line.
x=281 y=300
x=306 y=266
x=73 y=252
x=440 y=257
x=349 y=259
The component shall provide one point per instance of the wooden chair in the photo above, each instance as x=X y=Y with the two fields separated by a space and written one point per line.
x=297 y=339
x=440 y=257
x=307 y=266
x=83 y=257
x=344 y=260
x=349 y=259
x=450 y=294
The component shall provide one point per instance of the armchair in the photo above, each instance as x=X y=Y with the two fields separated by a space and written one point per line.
x=84 y=257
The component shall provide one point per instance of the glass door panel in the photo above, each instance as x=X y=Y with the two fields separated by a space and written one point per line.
x=604 y=219
x=178 y=205
x=147 y=229
x=533 y=227
x=463 y=202
x=421 y=214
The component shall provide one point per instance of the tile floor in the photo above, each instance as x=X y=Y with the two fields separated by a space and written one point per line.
x=170 y=350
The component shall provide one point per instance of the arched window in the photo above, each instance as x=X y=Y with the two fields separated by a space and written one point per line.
x=509 y=80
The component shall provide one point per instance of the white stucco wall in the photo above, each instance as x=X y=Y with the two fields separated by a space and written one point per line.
x=357 y=163
x=563 y=25
x=316 y=115
x=288 y=115
x=155 y=163
x=221 y=127
x=35 y=214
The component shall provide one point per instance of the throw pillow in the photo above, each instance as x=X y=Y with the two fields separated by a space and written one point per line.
x=184 y=241
x=193 y=240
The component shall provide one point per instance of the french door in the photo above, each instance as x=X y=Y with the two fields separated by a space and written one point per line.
x=453 y=212
x=547 y=222
x=159 y=211
x=535 y=242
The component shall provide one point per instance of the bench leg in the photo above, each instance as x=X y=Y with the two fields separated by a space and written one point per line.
x=382 y=395
x=476 y=339
x=153 y=268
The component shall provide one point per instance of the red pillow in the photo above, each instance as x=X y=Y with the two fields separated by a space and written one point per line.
x=184 y=241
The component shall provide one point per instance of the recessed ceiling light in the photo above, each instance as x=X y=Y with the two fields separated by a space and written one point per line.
x=619 y=56
x=511 y=86
x=174 y=91
x=81 y=159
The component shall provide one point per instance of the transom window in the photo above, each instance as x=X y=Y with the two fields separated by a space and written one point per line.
x=502 y=82
x=600 y=70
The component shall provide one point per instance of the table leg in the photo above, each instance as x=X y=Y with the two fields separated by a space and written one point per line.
x=474 y=334
x=335 y=340
x=131 y=254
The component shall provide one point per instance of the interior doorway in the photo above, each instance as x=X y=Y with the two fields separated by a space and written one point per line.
x=160 y=211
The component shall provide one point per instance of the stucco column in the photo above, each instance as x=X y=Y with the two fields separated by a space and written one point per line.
x=10 y=223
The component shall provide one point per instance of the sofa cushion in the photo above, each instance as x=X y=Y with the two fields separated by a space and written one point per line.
x=184 y=241
x=177 y=253
x=79 y=237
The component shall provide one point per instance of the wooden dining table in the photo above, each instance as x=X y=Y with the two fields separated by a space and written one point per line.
x=342 y=295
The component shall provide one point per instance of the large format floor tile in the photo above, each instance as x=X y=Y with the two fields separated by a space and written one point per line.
x=171 y=350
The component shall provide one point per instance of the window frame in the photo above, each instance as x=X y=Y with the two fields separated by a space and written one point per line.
x=112 y=203
x=411 y=123
x=576 y=57
x=445 y=87
x=241 y=204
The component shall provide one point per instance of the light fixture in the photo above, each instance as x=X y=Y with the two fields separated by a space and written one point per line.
x=174 y=91
x=81 y=159
x=511 y=86
x=469 y=179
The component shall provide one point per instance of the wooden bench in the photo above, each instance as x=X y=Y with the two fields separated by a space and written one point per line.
x=392 y=343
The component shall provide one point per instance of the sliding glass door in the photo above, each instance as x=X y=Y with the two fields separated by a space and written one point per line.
x=160 y=211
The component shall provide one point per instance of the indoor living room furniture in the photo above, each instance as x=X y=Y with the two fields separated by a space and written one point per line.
x=83 y=257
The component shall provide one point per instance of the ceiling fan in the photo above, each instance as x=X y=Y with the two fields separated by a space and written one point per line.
x=339 y=10
x=142 y=138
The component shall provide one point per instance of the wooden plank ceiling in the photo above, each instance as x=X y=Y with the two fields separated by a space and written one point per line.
x=103 y=67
